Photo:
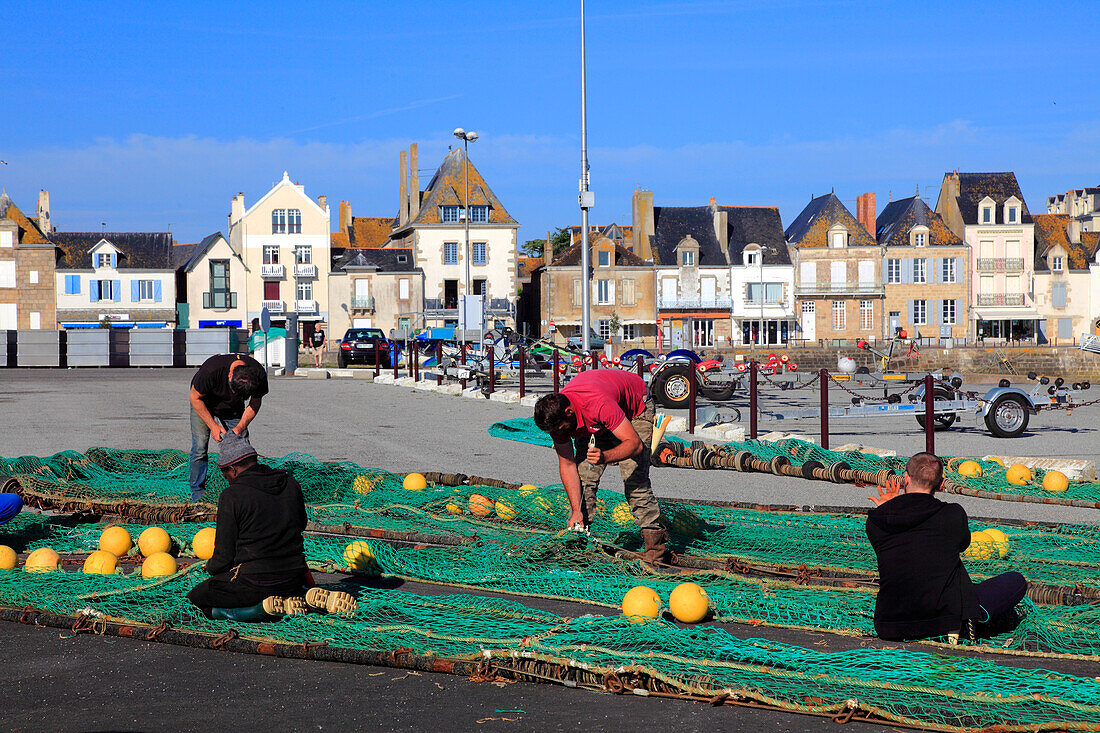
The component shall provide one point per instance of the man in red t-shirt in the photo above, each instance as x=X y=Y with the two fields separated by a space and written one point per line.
x=604 y=416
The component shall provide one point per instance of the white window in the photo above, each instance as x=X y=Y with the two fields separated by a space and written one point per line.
x=294 y=221
x=838 y=272
x=305 y=290
x=807 y=273
x=920 y=312
x=271 y=254
x=668 y=290
x=1056 y=264
x=920 y=239
x=752 y=293
x=773 y=293
x=403 y=288
x=145 y=289
x=450 y=253
x=604 y=258
x=752 y=258
x=36 y=321
x=449 y=214
x=987 y=215
x=985 y=284
x=866 y=271
x=840 y=315
x=1013 y=214
x=893 y=271
x=603 y=328
x=103 y=259
x=278 y=221
x=7 y=274
x=478 y=253
x=630 y=332
x=479 y=214
x=303 y=254
x=949 y=312
x=948 y=269
x=866 y=315
x=837 y=240
x=34 y=277
x=687 y=258
x=603 y=292
x=106 y=289
x=808 y=306
x=920 y=271
x=708 y=289
x=7 y=239
x=702 y=333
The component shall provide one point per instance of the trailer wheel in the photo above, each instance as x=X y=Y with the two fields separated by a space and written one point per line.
x=940 y=420
x=1008 y=416
x=670 y=386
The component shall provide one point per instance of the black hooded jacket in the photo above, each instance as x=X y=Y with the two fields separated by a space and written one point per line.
x=261 y=517
x=924 y=589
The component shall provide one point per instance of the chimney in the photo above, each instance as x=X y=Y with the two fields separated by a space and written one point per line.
x=642 y=223
x=866 y=213
x=236 y=208
x=403 y=196
x=722 y=230
x=414 y=182
x=322 y=201
x=345 y=216
x=44 y=211
x=548 y=251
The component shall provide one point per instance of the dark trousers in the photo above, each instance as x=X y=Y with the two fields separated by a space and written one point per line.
x=998 y=596
x=223 y=591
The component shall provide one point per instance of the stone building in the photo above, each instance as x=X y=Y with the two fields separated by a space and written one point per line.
x=211 y=284
x=1082 y=206
x=374 y=287
x=27 y=264
x=1062 y=278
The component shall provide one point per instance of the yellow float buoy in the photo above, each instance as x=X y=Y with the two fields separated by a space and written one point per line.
x=116 y=541
x=685 y=522
x=504 y=510
x=100 y=562
x=481 y=506
x=1018 y=474
x=982 y=546
x=202 y=544
x=689 y=603
x=359 y=556
x=1055 y=481
x=159 y=565
x=1000 y=540
x=414 y=482
x=543 y=505
x=528 y=489
x=42 y=560
x=8 y=558
x=970 y=468
x=642 y=602
x=154 y=540
x=453 y=508
x=622 y=514
x=363 y=484
x=995 y=459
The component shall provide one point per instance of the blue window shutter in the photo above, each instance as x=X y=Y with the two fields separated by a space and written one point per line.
x=114 y=260
x=906 y=272
x=912 y=313
x=156 y=291
x=135 y=291
x=93 y=291
x=937 y=312
x=117 y=288
x=68 y=285
x=76 y=284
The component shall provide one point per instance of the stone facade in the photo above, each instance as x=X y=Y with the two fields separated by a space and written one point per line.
x=27 y=265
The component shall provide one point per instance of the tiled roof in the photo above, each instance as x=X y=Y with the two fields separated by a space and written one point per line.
x=29 y=233
x=1050 y=231
x=899 y=217
x=448 y=188
x=139 y=250
x=745 y=225
x=182 y=253
x=811 y=227
x=385 y=260
x=571 y=257
x=370 y=231
x=526 y=265
x=1090 y=241
x=973 y=187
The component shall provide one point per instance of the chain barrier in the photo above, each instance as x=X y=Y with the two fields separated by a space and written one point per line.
x=863 y=398
x=787 y=385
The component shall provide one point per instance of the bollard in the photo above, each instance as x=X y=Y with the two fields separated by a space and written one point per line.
x=691 y=397
x=522 y=372
x=410 y=357
x=415 y=366
x=393 y=358
x=462 y=361
x=492 y=371
x=753 y=416
x=639 y=364
x=823 y=375
x=929 y=422
x=377 y=358
x=438 y=363
x=557 y=374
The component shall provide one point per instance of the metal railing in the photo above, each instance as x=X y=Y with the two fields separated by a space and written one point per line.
x=272 y=270
x=844 y=288
x=305 y=306
x=1000 y=299
x=1000 y=264
x=274 y=306
x=725 y=303
x=365 y=302
x=305 y=270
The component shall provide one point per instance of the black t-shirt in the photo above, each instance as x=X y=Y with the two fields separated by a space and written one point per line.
x=317 y=338
x=212 y=382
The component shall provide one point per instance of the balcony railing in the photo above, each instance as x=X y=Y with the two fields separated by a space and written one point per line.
x=845 y=288
x=305 y=306
x=275 y=306
x=702 y=303
x=442 y=306
x=1000 y=264
x=272 y=270
x=1000 y=299
x=305 y=270
x=362 y=303
x=219 y=299
x=1014 y=264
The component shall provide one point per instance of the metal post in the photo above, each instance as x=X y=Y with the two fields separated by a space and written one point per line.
x=466 y=207
x=691 y=397
x=492 y=371
x=438 y=363
x=929 y=423
x=522 y=372
x=823 y=375
x=639 y=363
x=753 y=427
x=377 y=358
x=586 y=285
x=409 y=358
x=416 y=360
x=557 y=373
x=393 y=358
x=462 y=360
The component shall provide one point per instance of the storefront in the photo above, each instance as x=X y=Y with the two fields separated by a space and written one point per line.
x=1021 y=325
x=775 y=331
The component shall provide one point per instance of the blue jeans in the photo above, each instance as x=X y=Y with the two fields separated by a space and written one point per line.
x=10 y=504
x=200 y=442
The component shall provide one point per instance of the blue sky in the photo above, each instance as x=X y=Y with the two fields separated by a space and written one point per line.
x=154 y=114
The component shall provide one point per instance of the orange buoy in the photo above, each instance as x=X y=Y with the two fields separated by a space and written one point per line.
x=481 y=506
x=689 y=603
x=642 y=602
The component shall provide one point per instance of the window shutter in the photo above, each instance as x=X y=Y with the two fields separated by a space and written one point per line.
x=610 y=291
x=156 y=291
x=68 y=285
x=117 y=288
x=628 y=291
x=93 y=291
x=912 y=312
x=576 y=291
x=1059 y=295
x=114 y=260
x=937 y=308
x=76 y=284
x=906 y=272
x=135 y=291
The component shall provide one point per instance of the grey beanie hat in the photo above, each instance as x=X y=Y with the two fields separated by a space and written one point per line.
x=233 y=449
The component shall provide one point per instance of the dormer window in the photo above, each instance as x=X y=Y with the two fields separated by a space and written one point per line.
x=402 y=258
x=687 y=258
x=987 y=215
x=278 y=221
x=1013 y=215
x=479 y=214
x=1056 y=264
x=103 y=259
x=920 y=239
x=838 y=238
x=450 y=214
x=604 y=258
x=752 y=259
x=294 y=221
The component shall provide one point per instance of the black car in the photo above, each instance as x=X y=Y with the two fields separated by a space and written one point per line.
x=360 y=346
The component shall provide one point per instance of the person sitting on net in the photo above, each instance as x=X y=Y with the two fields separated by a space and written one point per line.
x=924 y=590
x=258 y=570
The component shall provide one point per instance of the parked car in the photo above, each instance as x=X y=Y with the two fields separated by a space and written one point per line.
x=360 y=346
x=594 y=340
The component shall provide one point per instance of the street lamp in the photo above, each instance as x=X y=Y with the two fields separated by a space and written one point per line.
x=466 y=138
x=760 y=264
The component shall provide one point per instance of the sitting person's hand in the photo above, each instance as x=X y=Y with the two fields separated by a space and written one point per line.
x=891 y=492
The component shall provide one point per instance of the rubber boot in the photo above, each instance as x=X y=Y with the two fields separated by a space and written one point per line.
x=248 y=614
x=655 y=550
